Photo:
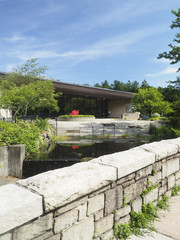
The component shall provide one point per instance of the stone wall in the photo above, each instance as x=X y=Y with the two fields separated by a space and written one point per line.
x=79 y=202
x=11 y=160
x=102 y=127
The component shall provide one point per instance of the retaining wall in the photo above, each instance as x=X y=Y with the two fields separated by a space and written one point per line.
x=114 y=127
x=79 y=202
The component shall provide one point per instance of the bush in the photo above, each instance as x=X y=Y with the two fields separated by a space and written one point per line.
x=155 y=115
x=22 y=132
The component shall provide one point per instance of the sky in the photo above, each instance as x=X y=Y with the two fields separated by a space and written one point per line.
x=89 y=41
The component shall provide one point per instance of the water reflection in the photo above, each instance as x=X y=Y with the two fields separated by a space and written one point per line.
x=68 y=153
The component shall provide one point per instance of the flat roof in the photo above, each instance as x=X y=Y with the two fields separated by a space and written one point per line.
x=83 y=90
x=89 y=91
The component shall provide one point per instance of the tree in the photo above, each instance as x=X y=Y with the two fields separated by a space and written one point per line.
x=24 y=91
x=150 y=100
x=144 y=84
x=174 y=53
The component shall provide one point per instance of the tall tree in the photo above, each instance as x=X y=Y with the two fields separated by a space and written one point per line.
x=24 y=91
x=174 y=53
x=150 y=100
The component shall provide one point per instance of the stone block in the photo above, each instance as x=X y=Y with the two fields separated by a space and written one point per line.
x=143 y=172
x=62 y=186
x=102 y=190
x=171 y=181
x=122 y=212
x=162 y=149
x=168 y=193
x=162 y=190
x=55 y=237
x=95 y=204
x=124 y=220
x=34 y=229
x=16 y=155
x=155 y=179
x=177 y=175
x=126 y=179
x=82 y=210
x=134 y=191
x=175 y=141
x=14 y=201
x=65 y=220
x=113 y=199
x=128 y=161
x=7 y=236
x=48 y=236
x=125 y=184
x=108 y=235
x=151 y=196
x=71 y=206
x=83 y=230
x=104 y=225
x=170 y=167
x=178 y=182
x=164 y=181
x=137 y=205
x=157 y=166
x=98 y=215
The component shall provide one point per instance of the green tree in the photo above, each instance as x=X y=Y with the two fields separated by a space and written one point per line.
x=23 y=90
x=144 y=84
x=174 y=53
x=150 y=100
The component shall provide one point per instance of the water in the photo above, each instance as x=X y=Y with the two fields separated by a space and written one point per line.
x=68 y=153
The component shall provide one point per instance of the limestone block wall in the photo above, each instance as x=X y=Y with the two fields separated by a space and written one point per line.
x=79 y=202
x=99 y=127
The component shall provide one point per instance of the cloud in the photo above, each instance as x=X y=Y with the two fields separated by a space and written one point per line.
x=16 y=38
x=168 y=70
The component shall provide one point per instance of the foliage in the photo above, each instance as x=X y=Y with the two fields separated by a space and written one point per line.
x=164 y=132
x=124 y=201
x=22 y=132
x=149 y=101
x=155 y=115
x=141 y=223
x=42 y=124
x=174 y=53
x=163 y=203
x=74 y=112
x=175 y=190
x=122 y=231
x=23 y=92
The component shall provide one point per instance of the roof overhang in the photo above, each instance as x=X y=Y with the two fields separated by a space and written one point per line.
x=83 y=90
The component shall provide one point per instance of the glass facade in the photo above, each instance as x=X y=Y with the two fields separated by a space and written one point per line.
x=86 y=105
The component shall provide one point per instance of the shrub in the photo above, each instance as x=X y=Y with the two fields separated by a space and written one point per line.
x=155 y=115
x=22 y=132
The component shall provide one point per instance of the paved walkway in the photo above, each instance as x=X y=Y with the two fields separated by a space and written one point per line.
x=168 y=227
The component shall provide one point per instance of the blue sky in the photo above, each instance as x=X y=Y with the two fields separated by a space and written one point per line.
x=89 y=41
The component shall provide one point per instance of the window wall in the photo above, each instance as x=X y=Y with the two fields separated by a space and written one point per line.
x=86 y=105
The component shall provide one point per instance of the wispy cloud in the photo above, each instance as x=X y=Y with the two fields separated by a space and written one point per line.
x=16 y=38
x=168 y=70
x=106 y=47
